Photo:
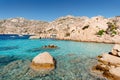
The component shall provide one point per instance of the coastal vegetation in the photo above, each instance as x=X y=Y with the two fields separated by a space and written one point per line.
x=111 y=30
x=100 y=32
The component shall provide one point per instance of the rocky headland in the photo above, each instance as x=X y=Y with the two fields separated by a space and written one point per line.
x=95 y=29
x=109 y=64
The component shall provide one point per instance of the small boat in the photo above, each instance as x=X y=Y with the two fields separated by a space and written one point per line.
x=20 y=35
x=12 y=36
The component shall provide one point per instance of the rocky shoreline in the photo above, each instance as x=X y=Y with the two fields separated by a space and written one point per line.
x=91 y=41
x=109 y=64
x=67 y=39
x=95 y=29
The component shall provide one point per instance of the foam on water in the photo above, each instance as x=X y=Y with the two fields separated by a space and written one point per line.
x=73 y=58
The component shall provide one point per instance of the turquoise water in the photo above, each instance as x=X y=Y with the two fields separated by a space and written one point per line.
x=74 y=59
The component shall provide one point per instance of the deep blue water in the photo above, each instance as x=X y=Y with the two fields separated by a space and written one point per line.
x=13 y=36
x=74 y=59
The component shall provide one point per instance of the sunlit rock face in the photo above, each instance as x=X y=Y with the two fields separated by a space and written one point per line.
x=84 y=29
x=116 y=50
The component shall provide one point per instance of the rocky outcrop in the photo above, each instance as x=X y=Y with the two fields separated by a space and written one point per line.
x=108 y=58
x=116 y=50
x=22 y=26
x=82 y=28
x=95 y=29
x=109 y=64
x=43 y=62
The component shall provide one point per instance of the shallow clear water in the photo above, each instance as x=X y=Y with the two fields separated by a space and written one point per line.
x=74 y=59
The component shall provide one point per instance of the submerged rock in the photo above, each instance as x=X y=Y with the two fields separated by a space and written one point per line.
x=15 y=70
x=43 y=62
x=44 y=48
x=50 y=46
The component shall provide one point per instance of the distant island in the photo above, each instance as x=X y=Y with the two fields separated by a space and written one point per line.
x=95 y=29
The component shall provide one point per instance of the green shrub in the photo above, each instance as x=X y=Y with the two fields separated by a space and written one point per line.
x=111 y=29
x=114 y=32
x=100 y=32
x=111 y=26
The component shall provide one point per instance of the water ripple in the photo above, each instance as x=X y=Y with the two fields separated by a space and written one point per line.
x=8 y=48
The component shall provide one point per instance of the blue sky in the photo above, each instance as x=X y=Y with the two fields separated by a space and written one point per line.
x=49 y=10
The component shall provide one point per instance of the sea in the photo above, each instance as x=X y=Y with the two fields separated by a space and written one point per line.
x=74 y=60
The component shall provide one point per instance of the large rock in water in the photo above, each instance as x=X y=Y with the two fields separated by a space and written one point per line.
x=43 y=62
